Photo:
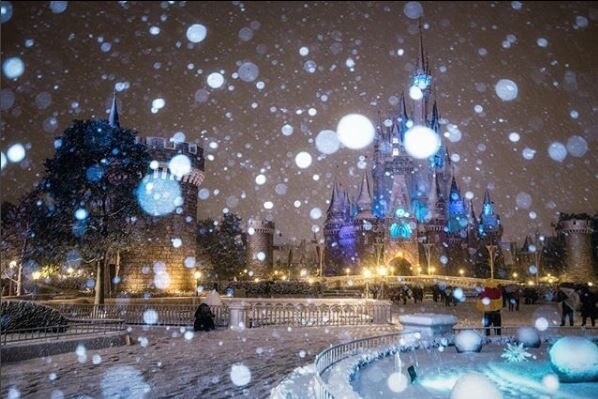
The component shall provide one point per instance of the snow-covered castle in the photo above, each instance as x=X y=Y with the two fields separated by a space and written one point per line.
x=413 y=217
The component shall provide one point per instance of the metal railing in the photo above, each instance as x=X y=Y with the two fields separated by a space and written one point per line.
x=327 y=358
x=427 y=280
x=261 y=312
x=60 y=331
x=336 y=353
x=320 y=314
x=158 y=314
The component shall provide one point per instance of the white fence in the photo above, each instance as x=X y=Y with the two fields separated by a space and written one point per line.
x=252 y=312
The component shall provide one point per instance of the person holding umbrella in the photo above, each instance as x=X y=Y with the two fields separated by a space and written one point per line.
x=568 y=300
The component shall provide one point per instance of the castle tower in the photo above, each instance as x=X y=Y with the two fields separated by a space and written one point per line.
x=578 y=250
x=339 y=234
x=260 y=247
x=165 y=259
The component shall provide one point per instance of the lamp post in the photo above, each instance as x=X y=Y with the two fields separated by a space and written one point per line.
x=428 y=249
x=491 y=249
x=197 y=275
x=367 y=274
x=537 y=258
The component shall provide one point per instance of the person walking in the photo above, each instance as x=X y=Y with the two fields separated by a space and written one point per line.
x=568 y=301
x=490 y=302
x=588 y=306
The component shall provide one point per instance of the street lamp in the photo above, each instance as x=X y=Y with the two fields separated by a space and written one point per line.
x=537 y=258
x=347 y=270
x=367 y=274
x=491 y=250
x=461 y=272
x=197 y=275
x=428 y=249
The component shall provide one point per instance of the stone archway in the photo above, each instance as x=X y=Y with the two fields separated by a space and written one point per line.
x=402 y=267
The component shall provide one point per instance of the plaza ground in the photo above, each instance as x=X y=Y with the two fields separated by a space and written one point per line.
x=164 y=363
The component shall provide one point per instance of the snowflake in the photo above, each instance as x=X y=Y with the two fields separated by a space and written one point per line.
x=515 y=353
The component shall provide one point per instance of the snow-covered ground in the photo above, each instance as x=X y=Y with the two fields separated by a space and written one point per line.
x=166 y=363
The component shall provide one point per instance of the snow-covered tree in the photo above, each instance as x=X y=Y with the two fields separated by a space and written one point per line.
x=90 y=184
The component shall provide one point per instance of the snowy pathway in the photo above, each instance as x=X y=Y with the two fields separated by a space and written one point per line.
x=166 y=364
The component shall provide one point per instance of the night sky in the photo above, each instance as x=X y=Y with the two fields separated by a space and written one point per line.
x=74 y=59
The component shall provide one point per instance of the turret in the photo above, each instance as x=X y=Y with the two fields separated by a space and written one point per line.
x=364 y=199
x=113 y=117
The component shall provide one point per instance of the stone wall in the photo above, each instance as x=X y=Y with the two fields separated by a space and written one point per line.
x=165 y=258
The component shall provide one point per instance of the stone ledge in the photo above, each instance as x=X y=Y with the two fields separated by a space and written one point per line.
x=25 y=350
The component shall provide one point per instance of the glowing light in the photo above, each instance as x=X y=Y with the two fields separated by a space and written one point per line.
x=514 y=137
x=523 y=200
x=215 y=80
x=196 y=33
x=542 y=42
x=180 y=165
x=458 y=292
x=475 y=385
x=268 y=205
x=577 y=146
x=551 y=382
x=413 y=10
x=506 y=90
x=248 y=72
x=58 y=7
x=13 y=67
x=303 y=159
x=287 y=129
x=468 y=341
x=528 y=153
x=397 y=382
x=303 y=51
x=421 y=142
x=240 y=374
x=327 y=142
x=541 y=324
x=157 y=104
x=16 y=153
x=150 y=316
x=81 y=214
x=355 y=131
x=574 y=359
x=416 y=93
x=158 y=197
x=260 y=180
x=557 y=151
x=315 y=213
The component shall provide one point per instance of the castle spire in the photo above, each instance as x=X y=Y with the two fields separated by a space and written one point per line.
x=487 y=197
x=421 y=59
x=113 y=117
x=364 y=198
x=403 y=110
x=454 y=190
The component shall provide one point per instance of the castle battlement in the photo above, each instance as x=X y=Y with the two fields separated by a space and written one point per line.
x=261 y=226
x=581 y=226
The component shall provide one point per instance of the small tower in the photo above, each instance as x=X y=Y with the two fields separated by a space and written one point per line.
x=165 y=259
x=576 y=231
x=260 y=247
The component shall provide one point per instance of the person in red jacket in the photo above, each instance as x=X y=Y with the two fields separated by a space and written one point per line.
x=490 y=302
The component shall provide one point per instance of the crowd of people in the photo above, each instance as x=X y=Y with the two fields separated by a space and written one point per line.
x=493 y=298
